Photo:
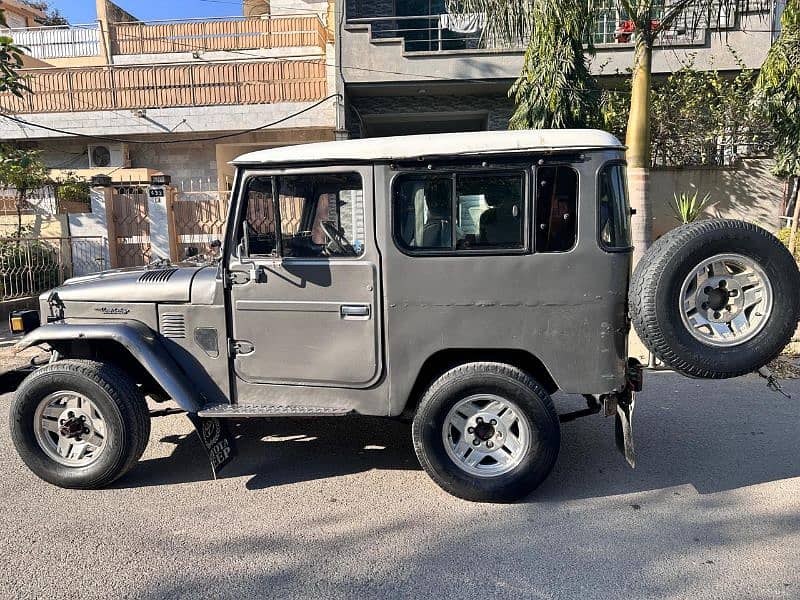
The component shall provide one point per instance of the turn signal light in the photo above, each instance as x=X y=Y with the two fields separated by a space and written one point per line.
x=23 y=321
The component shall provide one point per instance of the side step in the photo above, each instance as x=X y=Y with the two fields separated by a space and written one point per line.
x=257 y=410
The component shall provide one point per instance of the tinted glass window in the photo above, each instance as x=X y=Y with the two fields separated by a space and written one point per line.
x=319 y=215
x=490 y=211
x=485 y=212
x=424 y=211
x=556 y=208
x=614 y=214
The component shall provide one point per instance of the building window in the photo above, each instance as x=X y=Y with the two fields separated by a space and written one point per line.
x=556 y=208
x=317 y=215
x=614 y=214
x=459 y=211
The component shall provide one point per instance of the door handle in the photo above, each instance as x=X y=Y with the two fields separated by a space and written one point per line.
x=354 y=311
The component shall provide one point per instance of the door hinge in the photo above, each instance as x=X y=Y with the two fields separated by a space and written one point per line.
x=240 y=348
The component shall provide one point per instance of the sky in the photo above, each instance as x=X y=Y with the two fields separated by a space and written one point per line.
x=83 y=11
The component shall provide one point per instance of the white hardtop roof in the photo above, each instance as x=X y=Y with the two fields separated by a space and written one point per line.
x=439 y=144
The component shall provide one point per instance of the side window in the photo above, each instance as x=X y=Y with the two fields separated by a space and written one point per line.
x=424 y=211
x=614 y=214
x=556 y=208
x=490 y=211
x=318 y=215
x=459 y=211
x=260 y=222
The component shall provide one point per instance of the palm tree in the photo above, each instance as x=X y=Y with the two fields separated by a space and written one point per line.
x=778 y=95
x=549 y=27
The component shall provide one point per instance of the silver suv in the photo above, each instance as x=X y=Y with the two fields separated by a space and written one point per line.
x=457 y=280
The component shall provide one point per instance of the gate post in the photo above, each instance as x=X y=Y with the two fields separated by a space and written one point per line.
x=158 y=215
x=172 y=229
x=101 y=185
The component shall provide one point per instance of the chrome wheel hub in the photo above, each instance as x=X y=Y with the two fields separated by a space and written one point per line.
x=486 y=435
x=726 y=300
x=69 y=428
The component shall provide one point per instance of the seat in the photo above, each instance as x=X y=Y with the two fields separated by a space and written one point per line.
x=499 y=224
x=436 y=232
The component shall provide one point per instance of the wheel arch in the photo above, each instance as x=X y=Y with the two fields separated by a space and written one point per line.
x=444 y=360
x=121 y=339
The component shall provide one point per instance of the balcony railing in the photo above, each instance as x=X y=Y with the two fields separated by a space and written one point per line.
x=447 y=32
x=169 y=85
x=68 y=41
x=226 y=33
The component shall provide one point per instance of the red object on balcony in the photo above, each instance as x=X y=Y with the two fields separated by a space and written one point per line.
x=623 y=33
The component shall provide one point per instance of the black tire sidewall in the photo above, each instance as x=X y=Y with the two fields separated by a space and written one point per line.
x=731 y=360
x=520 y=481
x=114 y=454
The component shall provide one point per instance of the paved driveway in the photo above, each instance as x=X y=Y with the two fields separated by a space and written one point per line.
x=340 y=509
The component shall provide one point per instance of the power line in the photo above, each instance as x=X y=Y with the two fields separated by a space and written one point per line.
x=171 y=141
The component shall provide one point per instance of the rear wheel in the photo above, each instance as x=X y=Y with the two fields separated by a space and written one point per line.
x=715 y=299
x=79 y=423
x=486 y=432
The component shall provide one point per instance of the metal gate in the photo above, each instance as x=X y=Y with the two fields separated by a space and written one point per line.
x=130 y=242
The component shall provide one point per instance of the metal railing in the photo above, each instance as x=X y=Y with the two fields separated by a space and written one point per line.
x=447 y=32
x=225 y=33
x=39 y=201
x=61 y=41
x=168 y=85
x=30 y=266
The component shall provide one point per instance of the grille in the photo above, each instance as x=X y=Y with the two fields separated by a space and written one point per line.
x=173 y=325
x=157 y=275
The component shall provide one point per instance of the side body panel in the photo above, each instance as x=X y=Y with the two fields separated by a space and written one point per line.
x=568 y=309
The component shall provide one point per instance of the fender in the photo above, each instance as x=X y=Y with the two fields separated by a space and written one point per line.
x=136 y=337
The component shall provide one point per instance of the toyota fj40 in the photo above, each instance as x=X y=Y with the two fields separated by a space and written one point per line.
x=456 y=279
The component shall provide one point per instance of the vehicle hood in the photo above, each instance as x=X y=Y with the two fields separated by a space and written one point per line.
x=162 y=284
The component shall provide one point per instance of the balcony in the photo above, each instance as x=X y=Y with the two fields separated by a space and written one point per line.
x=73 y=41
x=108 y=88
x=225 y=34
x=379 y=46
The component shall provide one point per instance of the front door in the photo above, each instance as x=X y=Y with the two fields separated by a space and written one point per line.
x=304 y=279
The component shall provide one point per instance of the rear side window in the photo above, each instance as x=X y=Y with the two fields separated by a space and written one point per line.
x=614 y=214
x=459 y=211
x=556 y=208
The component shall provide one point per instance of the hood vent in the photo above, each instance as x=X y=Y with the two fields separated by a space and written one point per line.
x=157 y=275
x=172 y=325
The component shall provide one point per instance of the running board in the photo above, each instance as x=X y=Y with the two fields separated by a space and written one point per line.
x=256 y=410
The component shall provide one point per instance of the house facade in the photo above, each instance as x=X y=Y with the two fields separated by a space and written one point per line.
x=409 y=65
x=194 y=84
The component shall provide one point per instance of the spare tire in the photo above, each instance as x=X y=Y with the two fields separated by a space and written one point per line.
x=715 y=299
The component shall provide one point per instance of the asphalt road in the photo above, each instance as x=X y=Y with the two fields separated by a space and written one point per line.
x=338 y=508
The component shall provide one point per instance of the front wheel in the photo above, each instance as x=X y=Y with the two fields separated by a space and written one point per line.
x=79 y=423
x=486 y=432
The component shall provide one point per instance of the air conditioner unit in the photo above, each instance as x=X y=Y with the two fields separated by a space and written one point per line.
x=109 y=155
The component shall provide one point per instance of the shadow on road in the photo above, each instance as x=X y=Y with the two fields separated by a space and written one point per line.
x=714 y=436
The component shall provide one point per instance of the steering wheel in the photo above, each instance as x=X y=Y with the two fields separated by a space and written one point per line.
x=336 y=240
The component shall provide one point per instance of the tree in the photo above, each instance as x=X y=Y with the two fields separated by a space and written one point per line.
x=511 y=21
x=10 y=62
x=555 y=88
x=23 y=171
x=778 y=89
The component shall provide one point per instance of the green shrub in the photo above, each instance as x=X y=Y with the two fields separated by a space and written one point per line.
x=783 y=235
x=687 y=208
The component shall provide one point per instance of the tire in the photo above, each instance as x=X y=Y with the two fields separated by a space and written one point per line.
x=57 y=395
x=695 y=311
x=466 y=388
